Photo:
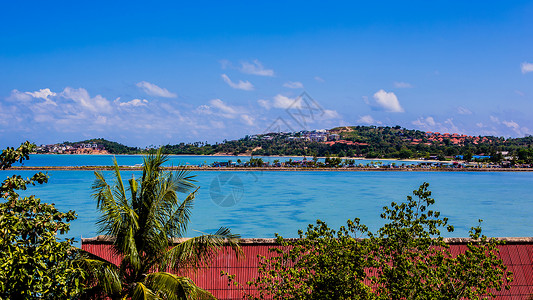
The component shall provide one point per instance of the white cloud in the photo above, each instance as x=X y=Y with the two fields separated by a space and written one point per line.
x=319 y=79
x=293 y=85
x=494 y=119
x=367 y=119
x=248 y=119
x=330 y=114
x=223 y=107
x=511 y=124
x=42 y=93
x=526 y=67
x=81 y=97
x=519 y=130
x=424 y=122
x=132 y=103
x=16 y=95
x=218 y=107
x=387 y=101
x=429 y=123
x=451 y=126
x=256 y=68
x=402 y=85
x=281 y=101
x=264 y=103
x=463 y=111
x=154 y=90
x=241 y=85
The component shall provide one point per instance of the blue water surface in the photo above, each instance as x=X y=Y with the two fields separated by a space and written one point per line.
x=264 y=203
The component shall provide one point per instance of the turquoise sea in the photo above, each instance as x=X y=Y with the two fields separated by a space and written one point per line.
x=259 y=204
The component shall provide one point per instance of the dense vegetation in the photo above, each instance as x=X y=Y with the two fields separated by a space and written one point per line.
x=405 y=259
x=111 y=147
x=35 y=264
x=368 y=141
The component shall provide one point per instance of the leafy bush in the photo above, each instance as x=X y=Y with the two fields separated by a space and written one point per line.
x=407 y=258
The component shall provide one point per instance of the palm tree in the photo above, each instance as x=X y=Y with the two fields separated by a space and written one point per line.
x=144 y=220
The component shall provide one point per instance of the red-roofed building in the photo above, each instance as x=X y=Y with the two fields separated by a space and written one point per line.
x=516 y=254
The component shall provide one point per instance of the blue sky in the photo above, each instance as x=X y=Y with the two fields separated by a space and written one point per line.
x=155 y=73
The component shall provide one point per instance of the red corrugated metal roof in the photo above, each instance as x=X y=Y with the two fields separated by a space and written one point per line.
x=517 y=255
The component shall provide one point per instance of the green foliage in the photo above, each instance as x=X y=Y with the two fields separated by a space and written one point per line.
x=111 y=147
x=34 y=264
x=405 y=259
x=381 y=142
x=144 y=219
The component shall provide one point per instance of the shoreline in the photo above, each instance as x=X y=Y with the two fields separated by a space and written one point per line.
x=263 y=156
x=295 y=169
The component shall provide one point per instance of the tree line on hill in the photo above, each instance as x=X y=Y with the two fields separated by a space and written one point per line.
x=366 y=141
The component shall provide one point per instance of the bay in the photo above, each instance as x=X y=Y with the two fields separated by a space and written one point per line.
x=258 y=204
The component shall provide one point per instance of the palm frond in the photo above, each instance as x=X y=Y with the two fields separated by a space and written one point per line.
x=184 y=181
x=197 y=251
x=105 y=275
x=178 y=220
x=118 y=218
x=141 y=292
x=173 y=287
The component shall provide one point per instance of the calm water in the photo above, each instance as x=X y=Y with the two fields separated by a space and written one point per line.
x=259 y=204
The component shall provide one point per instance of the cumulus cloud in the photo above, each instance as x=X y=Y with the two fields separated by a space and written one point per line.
x=429 y=123
x=264 y=103
x=132 y=103
x=81 y=96
x=241 y=85
x=526 y=67
x=293 y=85
x=330 y=114
x=16 y=95
x=511 y=124
x=226 y=109
x=154 y=90
x=402 y=85
x=463 y=111
x=424 y=122
x=367 y=119
x=219 y=108
x=42 y=93
x=80 y=114
x=387 y=102
x=281 y=101
x=450 y=126
x=256 y=68
x=514 y=126
x=248 y=120
x=495 y=119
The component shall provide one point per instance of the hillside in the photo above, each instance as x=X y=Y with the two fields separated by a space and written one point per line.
x=111 y=147
x=354 y=141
